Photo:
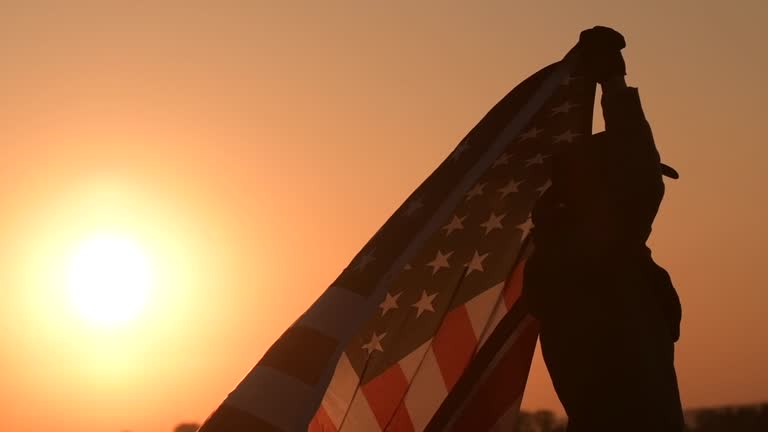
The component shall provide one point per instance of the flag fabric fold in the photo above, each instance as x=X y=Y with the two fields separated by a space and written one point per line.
x=408 y=337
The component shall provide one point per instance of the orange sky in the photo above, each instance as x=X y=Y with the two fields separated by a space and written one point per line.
x=253 y=147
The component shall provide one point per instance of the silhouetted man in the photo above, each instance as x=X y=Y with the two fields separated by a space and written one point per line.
x=609 y=314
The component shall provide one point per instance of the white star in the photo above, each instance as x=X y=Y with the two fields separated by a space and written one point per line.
x=543 y=188
x=538 y=159
x=526 y=227
x=455 y=224
x=476 y=191
x=375 y=343
x=531 y=133
x=424 y=303
x=502 y=160
x=363 y=261
x=413 y=206
x=510 y=188
x=492 y=223
x=476 y=263
x=566 y=136
x=407 y=267
x=440 y=261
x=389 y=303
x=564 y=108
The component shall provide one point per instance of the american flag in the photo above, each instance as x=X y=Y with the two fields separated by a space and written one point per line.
x=424 y=329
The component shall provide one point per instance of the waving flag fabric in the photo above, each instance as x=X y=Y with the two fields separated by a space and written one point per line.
x=408 y=338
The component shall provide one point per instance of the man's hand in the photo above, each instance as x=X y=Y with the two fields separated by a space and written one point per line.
x=601 y=48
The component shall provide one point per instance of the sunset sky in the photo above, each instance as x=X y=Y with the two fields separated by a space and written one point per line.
x=249 y=149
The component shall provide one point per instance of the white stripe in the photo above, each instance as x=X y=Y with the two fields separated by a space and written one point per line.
x=426 y=393
x=493 y=320
x=340 y=391
x=410 y=363
x=480 y=307
x=360 y=416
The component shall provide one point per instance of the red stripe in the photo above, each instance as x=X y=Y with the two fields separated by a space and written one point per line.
x=401 y=422
x=454 y=345
x=321 y=422
x=503 y=386
x=514 y=286
x=384 y=393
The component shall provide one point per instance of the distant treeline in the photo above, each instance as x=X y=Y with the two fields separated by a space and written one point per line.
x=742 y=418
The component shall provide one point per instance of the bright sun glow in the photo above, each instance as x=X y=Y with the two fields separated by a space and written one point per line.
x=109 y=279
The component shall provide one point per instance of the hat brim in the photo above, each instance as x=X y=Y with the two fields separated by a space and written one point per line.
x=670 y=172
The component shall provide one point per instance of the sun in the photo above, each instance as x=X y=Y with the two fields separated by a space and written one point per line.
x=109 y=279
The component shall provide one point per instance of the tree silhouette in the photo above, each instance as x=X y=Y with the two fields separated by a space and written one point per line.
x=750 y=418
x=545 y=420
x=186 y=427
x=539 y=421
x=526 y=422
x=732 y=419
